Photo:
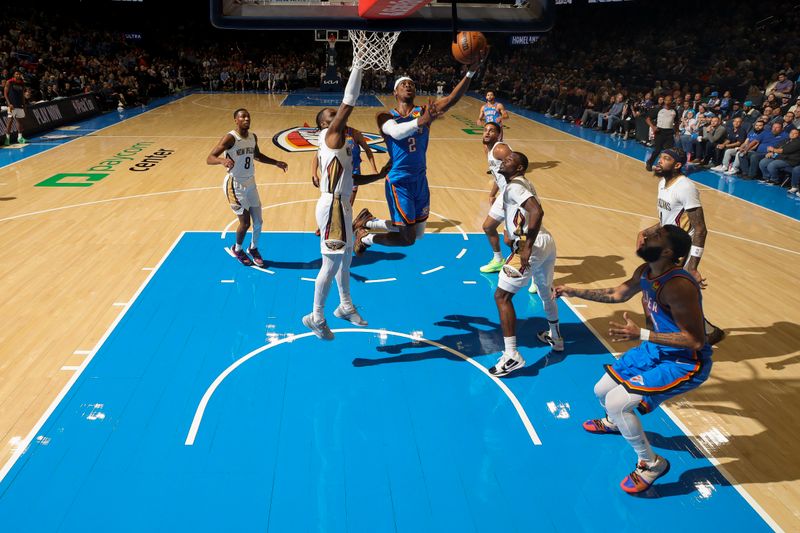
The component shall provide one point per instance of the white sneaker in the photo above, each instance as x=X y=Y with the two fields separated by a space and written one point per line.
x=718 y=168
x=320 y=329
x=506 y=364
x=731 y=171
x=643 y=477
x=556 y=344
x=793 y=190
x=351 y=315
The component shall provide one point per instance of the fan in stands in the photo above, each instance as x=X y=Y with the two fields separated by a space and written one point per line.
x=389 y=9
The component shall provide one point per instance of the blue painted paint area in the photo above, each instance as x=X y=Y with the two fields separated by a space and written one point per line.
x=767 y=196
x=367 y=432
x=318 y=99
x=41 y=143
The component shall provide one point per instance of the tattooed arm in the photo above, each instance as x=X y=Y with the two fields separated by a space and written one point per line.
x=614 y=295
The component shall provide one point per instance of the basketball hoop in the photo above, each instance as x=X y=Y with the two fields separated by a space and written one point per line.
x=373 y=50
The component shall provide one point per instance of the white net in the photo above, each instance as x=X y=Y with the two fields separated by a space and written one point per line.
x=373 y=50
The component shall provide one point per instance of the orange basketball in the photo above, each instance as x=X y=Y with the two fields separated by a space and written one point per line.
x=468 y=47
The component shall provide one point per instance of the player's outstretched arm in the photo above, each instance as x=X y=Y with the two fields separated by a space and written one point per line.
x=214 y=157
x=389 y=126
x=614 y=295
x=335 y=137
x=365 y=179
x=443 y=104
x=362 y=142
x=263 y=158
x=681 y=296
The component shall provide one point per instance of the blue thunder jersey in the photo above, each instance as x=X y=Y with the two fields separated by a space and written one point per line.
x=661 y=316
x=491 y=114
x=408 y=155
x=355 y=148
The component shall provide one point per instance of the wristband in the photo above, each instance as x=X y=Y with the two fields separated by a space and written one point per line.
x=470 y=73
x=644 y=334
x=696 y=251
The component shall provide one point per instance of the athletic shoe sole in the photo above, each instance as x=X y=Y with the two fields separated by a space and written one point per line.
x=308 y=321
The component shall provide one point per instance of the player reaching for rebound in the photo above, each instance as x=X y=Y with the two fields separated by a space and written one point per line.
x=406 y=130
x=533 y=256
x=679 y=204
x=492 y=111
x=241 y=152
x=672 y=359
x=357 y=144
x=334 y=211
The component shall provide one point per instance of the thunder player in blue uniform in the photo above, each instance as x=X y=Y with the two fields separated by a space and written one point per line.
x=406 y=130
x=492 y=111
x=672 y=359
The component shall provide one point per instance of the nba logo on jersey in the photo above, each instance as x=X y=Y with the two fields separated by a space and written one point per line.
x=637 y=379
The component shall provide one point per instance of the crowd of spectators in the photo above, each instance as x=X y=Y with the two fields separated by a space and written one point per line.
x=733 y=90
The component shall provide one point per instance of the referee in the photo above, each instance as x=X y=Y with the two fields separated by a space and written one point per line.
x=664 y=130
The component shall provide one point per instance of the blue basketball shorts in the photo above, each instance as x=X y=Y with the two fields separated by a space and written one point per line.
x=409 y=200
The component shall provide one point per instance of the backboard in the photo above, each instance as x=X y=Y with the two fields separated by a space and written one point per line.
x=480 y=15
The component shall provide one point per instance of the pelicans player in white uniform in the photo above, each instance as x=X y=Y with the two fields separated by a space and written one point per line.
x=679 y=205
x=533 y=256
x=241 y=152
x=334 y=212
x=496 y=152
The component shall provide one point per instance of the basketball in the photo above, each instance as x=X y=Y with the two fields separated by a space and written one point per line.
x=468 y=47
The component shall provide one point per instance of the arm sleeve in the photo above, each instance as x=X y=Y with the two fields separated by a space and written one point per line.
x=399 y=131
x=353 y=88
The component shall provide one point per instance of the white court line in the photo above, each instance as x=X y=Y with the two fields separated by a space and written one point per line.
x=226 y=281
x=68 y=367
x=201 y=407
x=461 y=253
x=632 y=213
x=384 y=280
x=29 y=438
x=148 y=269
x=120 y=304
x=81 y=352
x=578 y=305
x=722 y=470
x=469 y=282
x=431 y=271
x=309 y=279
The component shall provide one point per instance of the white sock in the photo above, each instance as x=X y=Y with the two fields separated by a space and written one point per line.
x=497 y=256
x=322 y=285
x=510 y=345
x=237 y=247
x=555 y=331
x=368 y=239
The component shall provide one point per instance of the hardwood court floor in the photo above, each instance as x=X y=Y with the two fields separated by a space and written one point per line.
x=75 y=255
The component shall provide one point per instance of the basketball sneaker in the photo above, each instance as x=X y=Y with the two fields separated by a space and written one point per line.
x=715 y=335
x=359 y=247
x=506 y=364
x=21 y=139
x=600 y=426
x=241 y=256
x=361 y=219
x=257 y=259
x=351 y=315
x=557 y=345
x=495 y=265
x=320 y=329
x=643 y=477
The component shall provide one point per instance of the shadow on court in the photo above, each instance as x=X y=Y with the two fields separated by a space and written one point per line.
x=542 y=165
x=439 y=225
x=591 y=268
x=7 y=198
x=752 y=343
x=482 y=336
x=366 y=259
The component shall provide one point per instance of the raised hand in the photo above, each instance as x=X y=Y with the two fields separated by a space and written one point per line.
x=623 y=332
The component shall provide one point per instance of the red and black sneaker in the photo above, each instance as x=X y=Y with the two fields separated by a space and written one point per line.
x=241 y=256
x=257 y=259
x=599 y=425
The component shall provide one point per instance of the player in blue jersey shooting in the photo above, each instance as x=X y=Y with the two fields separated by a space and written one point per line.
x=406 y=129
x=672 y=359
